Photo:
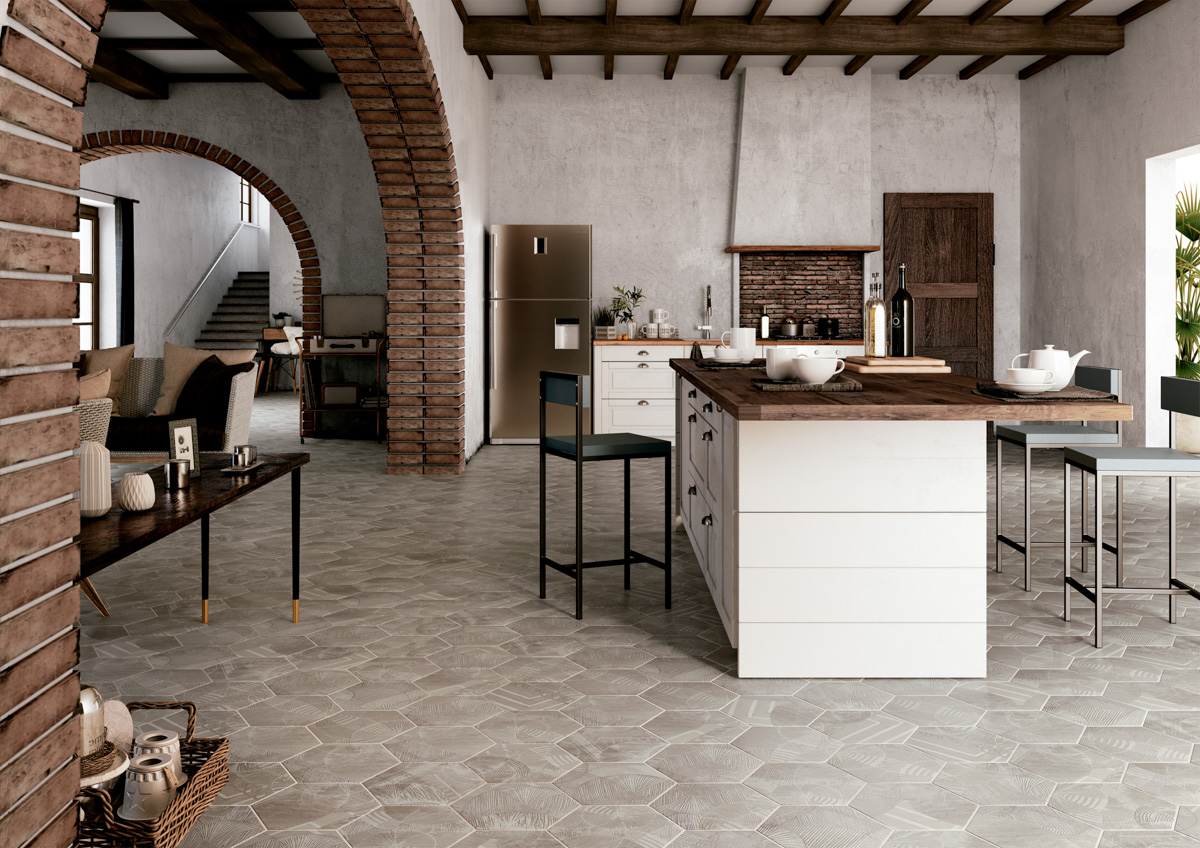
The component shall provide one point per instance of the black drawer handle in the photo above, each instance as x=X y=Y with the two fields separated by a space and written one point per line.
x=643 y=353
x=707 y=436
x=706 y=521
x=692 y=393
x=691 y=490
x=692 y=418
x=643 y=403
x=707 y=407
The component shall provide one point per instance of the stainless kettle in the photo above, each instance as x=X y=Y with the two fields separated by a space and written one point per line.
x=92 y=734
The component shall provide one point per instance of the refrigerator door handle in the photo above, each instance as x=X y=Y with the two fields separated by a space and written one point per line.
x=492 y=339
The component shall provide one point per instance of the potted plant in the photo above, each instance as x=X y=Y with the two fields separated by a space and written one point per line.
x=603 y=320
x=1187 y=306
x=283 y=319
x=623 y=305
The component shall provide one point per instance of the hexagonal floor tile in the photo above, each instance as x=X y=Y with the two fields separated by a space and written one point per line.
x=447 y=710
x=393 y=695
x=311 y=806
x=914 y=806
x=1178 y=783
x=886 y=763
x=934 y=711
x=343 y=763
x=844 y=695
x=611 y=711
x=804 y=784
x=611 y=657
x=311 y=682
x=250 y=783
x=1114 y=806
x=612 y=744
x=787 y=744
x=862 y=727
x=222 y=827
x=1137 y=744
x=1031 y=727
x=1020 y=827
x=1095 y=711
x=438 y=744
x=369 y=726
x=704 y=763
x=508 y=763
x=521 y=727
x=701 y=726
x=402 y=827
x=418 y=784
x=688 y=696
x=1068 y=763
x=535 y=697
x=773 y=712
x=999 y=695
x=289 y=711
x=515 y=807
x=611 y=681
x=614 y=784
x=962 y=744
x=995 y=784
x=269 y=744
x=615 y=827
x=715 y=806
x=823 y=827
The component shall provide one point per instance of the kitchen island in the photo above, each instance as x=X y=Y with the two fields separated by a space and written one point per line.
x=845 y=534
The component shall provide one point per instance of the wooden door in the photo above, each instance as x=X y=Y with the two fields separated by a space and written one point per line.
x=946 y=242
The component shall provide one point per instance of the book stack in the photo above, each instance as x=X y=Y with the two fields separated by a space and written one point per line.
x=896 y=365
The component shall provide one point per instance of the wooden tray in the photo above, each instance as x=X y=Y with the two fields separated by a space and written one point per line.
x=1073 y=393
x=895 y=360
x=714 y=364
x=857 y=368
x=244 y=469
x=837 y=383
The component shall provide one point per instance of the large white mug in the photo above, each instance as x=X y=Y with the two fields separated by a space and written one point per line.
x=659 y=316
x=817 y=369
x=740 y=338
x=779 y=362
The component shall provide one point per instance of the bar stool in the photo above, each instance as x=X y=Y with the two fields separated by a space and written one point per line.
x=1179 y=396
x=1051 y=435
x=575 y=390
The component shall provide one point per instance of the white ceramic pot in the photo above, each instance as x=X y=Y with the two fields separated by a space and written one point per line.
x=1187 y=433
x=95 y=481
x=135 y=492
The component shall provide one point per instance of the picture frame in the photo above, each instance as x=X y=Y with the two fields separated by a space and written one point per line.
x=184 y=442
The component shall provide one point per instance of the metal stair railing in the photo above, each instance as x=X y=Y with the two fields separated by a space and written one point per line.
x=212 y=267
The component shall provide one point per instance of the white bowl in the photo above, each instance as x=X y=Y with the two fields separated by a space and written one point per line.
x=727 y=354
x=1029 y=376
x=817 y=369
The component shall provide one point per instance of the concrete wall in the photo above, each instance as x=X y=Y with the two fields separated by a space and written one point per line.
x=187 y=210
x=285 y=268
x=467 y=97
x=1088 y=127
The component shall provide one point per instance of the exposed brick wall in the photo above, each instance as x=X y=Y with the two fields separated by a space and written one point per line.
x=100 y=145
x=802 y=285
x=380 y=55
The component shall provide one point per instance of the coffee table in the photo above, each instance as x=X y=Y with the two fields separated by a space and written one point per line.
x=117 y=534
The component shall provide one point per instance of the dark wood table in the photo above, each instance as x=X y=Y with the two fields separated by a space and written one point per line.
x=117 y=534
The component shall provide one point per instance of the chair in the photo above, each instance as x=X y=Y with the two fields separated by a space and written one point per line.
x=574 y=390
x=1178 y=396
x=281 y=352
x=1051 y=435
x=94 y=417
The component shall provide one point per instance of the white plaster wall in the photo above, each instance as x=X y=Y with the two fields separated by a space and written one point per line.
x=647 y=162
x=804 y=158
x=285 y=268
x=187 y=210
x=467 y=98
x=312 y=149
x=936 y=133
x=1088 y=126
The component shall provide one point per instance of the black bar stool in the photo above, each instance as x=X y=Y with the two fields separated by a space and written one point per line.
x=575 y=390
x=1057 y=436
x=1178 y=396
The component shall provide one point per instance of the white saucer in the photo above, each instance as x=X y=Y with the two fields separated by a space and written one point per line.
x=1024 y=388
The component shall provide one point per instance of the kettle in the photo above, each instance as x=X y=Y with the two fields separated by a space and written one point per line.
x=1061 y=363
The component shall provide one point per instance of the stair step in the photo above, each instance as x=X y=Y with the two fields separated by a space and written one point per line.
x=218 y=335
x=248 y=330
x=222 y=344
x=257 y=275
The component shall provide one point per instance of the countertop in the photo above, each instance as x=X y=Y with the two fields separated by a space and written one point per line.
x=885 y=397
x=798 y=341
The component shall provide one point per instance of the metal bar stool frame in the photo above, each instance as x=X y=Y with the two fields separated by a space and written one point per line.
x=1095 y=593
x=552 y=389
x=1025 y=546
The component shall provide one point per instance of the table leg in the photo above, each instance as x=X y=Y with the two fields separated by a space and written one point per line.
x=296 y=546
x=204 y=568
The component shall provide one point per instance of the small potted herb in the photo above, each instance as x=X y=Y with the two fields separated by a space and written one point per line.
x=283 y=319
x=603 y=320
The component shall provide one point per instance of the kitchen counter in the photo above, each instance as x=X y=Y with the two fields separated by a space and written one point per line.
x=845 y=534
x=797 y=341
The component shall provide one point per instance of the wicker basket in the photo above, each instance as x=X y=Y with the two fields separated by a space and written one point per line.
x=206 y=764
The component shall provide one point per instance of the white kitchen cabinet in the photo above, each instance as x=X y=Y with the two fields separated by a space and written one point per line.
x=635 y=389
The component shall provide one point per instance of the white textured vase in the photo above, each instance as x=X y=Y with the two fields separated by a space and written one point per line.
x=135 y=492
x=1187 y=433
x=95 y=482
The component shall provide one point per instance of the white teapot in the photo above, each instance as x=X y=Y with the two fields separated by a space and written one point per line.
x=1061 y=363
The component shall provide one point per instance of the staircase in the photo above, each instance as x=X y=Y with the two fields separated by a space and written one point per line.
x=243 y=312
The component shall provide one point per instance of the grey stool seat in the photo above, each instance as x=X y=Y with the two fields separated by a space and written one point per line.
x=610 y=446
x=1055 y=434
x=1133 y=460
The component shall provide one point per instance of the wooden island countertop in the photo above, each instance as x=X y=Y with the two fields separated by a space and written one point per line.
x=884 y=397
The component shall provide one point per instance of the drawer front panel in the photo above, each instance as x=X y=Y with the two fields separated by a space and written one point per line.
x=646 y=417
x=637 y=380
x=639 y=353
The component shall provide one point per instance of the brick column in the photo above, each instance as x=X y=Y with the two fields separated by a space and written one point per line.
x=380 y=56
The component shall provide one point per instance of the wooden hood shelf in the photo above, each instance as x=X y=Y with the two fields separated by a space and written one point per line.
x=802 y=248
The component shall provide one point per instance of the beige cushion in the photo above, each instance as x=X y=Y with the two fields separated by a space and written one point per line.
x=93 y=386
x=115 y=360
x=178 y=365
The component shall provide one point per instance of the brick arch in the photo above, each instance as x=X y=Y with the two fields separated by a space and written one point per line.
x=381 y=57
x=101 y=145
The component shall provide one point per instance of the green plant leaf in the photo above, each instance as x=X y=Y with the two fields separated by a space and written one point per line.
x=1187 y=213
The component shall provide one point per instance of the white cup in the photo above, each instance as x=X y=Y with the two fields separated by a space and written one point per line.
x=727 y=354
x=658 y=316
x=779 y=362
x=740 y=338
x=817 y=369
x=650 y=331
x=1030 y=376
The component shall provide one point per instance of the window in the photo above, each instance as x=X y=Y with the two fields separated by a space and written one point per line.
x=88 y=278
x=246 y=201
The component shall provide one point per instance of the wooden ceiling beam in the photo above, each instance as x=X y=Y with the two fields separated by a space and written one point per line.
x=759 y=10
x=980 y=64
x=685 y=11
x=1064 y=10
x=610 y=12
x=915 y=66
x=833 y=11
x=925 y=35
x=608 y=67
x=197 y=44
x=128 y=74
x=914 y=8
x=790 y=66
x=487 y=66
x=240 y=38
x=856 y=64
x=985 y=11
x=669 y=68
x=242 y=5
x=730 y=66
x=534 y=9
x=1039 y=66
x=547 y=68
x=1138 y=9
x=461 y=10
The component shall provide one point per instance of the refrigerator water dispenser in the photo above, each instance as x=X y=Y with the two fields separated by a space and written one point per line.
x=566 y=334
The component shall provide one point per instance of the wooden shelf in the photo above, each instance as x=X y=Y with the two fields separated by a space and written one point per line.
x=802 y=248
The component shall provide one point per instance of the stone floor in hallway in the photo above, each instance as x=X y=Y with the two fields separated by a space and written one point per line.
x=429 y=699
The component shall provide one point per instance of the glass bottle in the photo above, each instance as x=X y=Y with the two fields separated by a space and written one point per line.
x=902 y=319
x=875 y=320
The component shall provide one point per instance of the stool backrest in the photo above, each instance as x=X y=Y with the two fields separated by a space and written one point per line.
x=1180 y=396
x=564 y=389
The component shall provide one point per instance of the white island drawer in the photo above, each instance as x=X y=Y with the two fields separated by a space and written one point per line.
x=641 y=353
x=645 y=417
x=637 y=380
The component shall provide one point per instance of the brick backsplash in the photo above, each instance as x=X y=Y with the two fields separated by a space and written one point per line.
x=802 y=285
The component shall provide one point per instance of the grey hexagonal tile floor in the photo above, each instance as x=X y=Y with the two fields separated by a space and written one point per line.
x=428 y=697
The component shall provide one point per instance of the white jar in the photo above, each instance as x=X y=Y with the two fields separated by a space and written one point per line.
x=135 y=492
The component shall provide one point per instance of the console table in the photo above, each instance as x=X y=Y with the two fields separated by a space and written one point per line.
x=117 y=534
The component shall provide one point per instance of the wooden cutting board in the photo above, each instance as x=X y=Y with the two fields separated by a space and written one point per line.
x=895 y=360
x=896 y=369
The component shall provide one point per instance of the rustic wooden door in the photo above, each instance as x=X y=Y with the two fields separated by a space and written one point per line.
x=945 y=240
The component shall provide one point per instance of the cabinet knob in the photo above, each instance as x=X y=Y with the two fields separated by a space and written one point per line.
x=643 y=353
x=643 y=403
x=706 y=521
x=707 y=436
x=643 y=365
x=692 y=418
x=692 y=393
x=707 y=407
x=691 y=490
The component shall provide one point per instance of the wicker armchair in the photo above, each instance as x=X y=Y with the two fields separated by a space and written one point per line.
x=94 y=416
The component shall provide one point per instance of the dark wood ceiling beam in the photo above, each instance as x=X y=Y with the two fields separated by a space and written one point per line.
x=980 y=64
x=985 y=11
x=669 y=68
x=610 y=12
x=462 y=11
x=759 y=10
x=1039 y=66
x=856 y=64
x=547 y=68
x=790 y=66
x=730 y=66
x=708 y=35
x=242 y=78
x=1064 y=10
x=915 y=66
x=242 y=5
x=608 y=67
x=487 y=66
x=197 y=44
x=1138 y=9
x=534 y=8
x=914 y=8
x=128 y=74
x=685 y=11
x=833 y=11
x=240 y=38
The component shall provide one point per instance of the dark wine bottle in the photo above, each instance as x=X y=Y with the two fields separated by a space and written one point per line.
x=901 y=336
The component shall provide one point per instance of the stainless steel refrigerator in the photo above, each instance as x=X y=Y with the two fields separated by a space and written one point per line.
x=539 y=319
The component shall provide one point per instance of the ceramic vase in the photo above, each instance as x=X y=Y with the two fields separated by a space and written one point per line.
x=135 y=493
x=1187 y=433
x=95 y=483
x=149 y=788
